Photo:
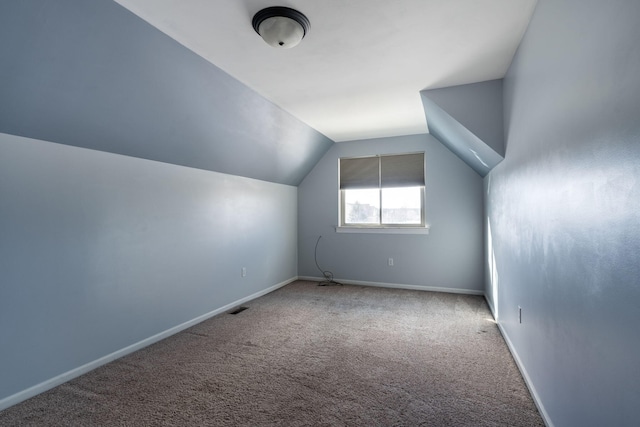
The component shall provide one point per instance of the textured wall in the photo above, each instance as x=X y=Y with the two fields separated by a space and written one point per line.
x=99 y=251
x=564 y=211
x=93 y=75
x=450 y=256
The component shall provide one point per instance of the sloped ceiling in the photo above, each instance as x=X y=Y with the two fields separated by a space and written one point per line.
x=93 y=75
x=359 y=71
x=96 y=75
x=468 y=120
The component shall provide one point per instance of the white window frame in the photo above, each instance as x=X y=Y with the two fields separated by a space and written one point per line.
x=380 y=227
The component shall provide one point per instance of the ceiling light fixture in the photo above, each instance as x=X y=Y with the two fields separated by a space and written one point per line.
x=281 y=27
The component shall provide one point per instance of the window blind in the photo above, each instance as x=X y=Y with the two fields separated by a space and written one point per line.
x=401 y=170
x=362 y=172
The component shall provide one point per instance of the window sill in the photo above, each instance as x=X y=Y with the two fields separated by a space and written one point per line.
x=384 y=230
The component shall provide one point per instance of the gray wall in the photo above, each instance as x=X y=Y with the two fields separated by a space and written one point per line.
x=477 y=106
x=93 y=75
x=450 y=256
x=99 y=251
x=564 y=211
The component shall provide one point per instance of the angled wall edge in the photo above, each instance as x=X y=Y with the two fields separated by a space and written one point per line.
x=467 y=119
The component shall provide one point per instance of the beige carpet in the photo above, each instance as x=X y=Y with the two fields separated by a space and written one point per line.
x=306 y=355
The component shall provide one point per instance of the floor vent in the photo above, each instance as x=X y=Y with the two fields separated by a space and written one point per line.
x=238 y=310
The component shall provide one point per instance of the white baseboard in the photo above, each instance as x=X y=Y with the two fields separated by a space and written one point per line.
x=74 y=373
x=527 y=379
x=399 y=286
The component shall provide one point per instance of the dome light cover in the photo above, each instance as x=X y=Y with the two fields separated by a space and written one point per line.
x=281 y=27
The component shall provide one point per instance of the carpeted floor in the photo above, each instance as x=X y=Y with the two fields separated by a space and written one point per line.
x=306 y=355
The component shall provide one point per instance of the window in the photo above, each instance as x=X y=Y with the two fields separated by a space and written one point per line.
x=382 y=191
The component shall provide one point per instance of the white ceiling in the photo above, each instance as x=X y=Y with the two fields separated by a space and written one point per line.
x=358 y=72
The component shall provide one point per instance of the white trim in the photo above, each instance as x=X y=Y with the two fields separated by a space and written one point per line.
x=383 y=230
x=74 y=373
x=527 y=379
x=399 y=286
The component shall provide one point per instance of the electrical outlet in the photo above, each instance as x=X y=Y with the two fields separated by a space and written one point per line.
x=243 y=272
x=519 y=314
x=390 y=262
